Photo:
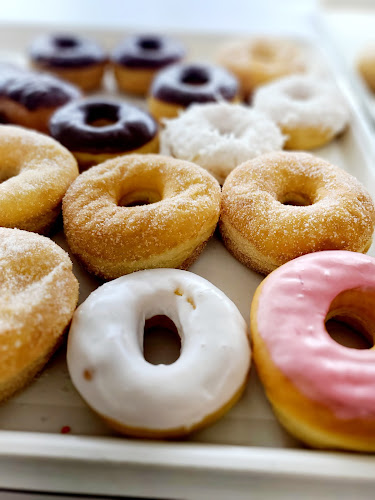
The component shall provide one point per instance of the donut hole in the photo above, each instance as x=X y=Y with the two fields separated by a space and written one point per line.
x=295 y=199
x=65 y=42
x=139 y=198
x=101 y=114
x=194 y=75
x=149 y=43
x=161 y=341
x=351 y=319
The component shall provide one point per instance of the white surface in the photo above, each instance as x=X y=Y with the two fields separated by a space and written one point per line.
x=245 y=454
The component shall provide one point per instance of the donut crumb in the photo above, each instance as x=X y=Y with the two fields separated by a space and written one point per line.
x=178 y=292
x=191 y=302
x=87 y=374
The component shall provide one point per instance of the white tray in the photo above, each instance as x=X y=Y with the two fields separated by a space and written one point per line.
x=245 y=454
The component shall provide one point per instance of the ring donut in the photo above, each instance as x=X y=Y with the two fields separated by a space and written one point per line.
x=322 y=392
x=107 y=365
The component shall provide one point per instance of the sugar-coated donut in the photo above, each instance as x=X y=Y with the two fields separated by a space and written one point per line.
x=35 y=172
x=140 y=211
x=322 y=392
x=107 y=365
x=366 y=66
x=97 y=129
x=38 y=296
x=260 y=60
x=219 y=136
x=138 y=58
x=29 y=99
x=309 y=111
x=282 y=205
x=180 y=85
x=77 y=59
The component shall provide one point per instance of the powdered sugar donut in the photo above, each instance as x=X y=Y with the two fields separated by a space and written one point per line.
x=107 y=364
x=309 y=111
x=220 y=136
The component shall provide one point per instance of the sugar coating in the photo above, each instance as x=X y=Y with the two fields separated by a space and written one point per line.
x=303 y=101
x=220 y=136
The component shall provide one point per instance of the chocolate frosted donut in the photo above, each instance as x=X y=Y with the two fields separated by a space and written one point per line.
x=180 y=85
x=29 y=99
x=137 y=59
x=77 y=59
x=95 y=130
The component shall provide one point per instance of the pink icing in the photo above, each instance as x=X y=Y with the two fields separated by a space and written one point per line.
x=293 y=305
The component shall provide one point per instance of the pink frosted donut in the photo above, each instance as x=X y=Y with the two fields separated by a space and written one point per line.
x=322 y=391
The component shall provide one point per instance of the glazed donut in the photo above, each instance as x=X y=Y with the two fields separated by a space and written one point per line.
x=138 y=58
x=77 y=59
x=261 y=60
x=321 y=391
x=35 y=173
x=219 y=136
x=282 y=205
x=366 y=66
x=138 y=212
x=29 y=99
x=38 y=296
x=137 y=398
x=95 y=130
x=180 y=85
x=309 y=111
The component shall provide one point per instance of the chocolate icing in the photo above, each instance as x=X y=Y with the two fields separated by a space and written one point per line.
x=72 y=125
x=34 y=90
x=183 y=84
x=148 y=52
x=66 y=51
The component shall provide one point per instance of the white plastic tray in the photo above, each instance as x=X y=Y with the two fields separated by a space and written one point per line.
x=245 y=454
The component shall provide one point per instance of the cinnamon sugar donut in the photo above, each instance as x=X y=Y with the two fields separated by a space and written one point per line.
x=309 y=110
x=282 y=205
x=35 y=172
x=260 y=60
x=140 y=211
x=38 y=296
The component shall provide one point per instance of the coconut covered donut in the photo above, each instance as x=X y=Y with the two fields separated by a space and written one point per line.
x=321 y=391
x=219 y=136
x=309 y=111
x=283 y=205
x=260 y=60
x=107 y=364
x=140 y=211
x=35 y=173
x=38 y=296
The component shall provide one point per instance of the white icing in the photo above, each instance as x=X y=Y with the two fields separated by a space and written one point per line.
x=303 y=100
x=219 y=136
x=106 y=338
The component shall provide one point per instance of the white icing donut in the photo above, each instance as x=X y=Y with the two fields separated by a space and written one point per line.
x=107 y=366
x=303 y=103
x=220 y=136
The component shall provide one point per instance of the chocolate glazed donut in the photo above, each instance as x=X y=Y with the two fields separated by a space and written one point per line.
x=138 y=58
x=77 y=59
x=95 y=130
x=180 y=85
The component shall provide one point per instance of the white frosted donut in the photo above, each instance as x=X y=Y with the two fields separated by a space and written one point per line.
x=108 y=368
x=311 y=112
x=220 y=136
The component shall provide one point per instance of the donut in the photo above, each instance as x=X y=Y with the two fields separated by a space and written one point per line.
x=282 y=205
x=138 y=58
x=366 y=66
x=219 y=136
x=180 y=85
x=77 y=59
x=29 y=99
x=38 y=296
x=107 y=365
x=35 y=173
x=138 y=212
x=260 y=60
x=98 y=129
x=310 y=111
x=321 y=391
